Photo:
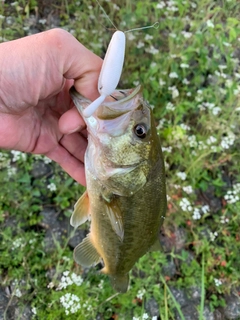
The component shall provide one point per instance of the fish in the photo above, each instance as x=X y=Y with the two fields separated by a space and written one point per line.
x=125 y=196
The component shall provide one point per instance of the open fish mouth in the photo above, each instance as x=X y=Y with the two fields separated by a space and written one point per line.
x=119 y=103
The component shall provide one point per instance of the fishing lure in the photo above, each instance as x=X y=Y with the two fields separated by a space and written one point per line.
x=112 y=66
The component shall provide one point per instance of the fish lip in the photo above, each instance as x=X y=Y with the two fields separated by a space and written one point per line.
x=112 y=105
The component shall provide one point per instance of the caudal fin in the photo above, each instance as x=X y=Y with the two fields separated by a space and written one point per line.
x=120 y=282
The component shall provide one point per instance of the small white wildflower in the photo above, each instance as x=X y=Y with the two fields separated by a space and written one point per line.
x=160 y=5
x=228 y=141
x=193 y=5
x=184 y=126
x=184 y=65
x=170 y=106
x=18 y=155
x=226 y=44
x=152 y=50
x=222 y=67
x=11 y=171
x=185 y=205
x=173 y=75
x=196 y=214
x=201 y=145
x=229 y=83
x=148 y=37
x=224 y=220
x=131 y=36
x=218 y=282
x=237 y=75
x=145 y=316
x=50 y=285
x=161 y=124
x=136 y=83
x=162 y=82
x=213 y=235
x=141 y=293
x=210 y=24
x=185 y=81
x=17 y=293
x=216 y=111
x=172 y=35
x=46 y=160
x=42 y=21
x=34 y=310
x=175 y=93
x=205 y=209
x=154 y=318
x=189 y=94
x=167 y=149
x=52 y=186
x=192 y=141
x=211 y=140
x=188 y=189
x=70 y=302
x=116 y=7
x=186 y=34
x=18 y=243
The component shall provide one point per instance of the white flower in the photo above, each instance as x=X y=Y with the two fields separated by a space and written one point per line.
x=188 y=189
x=144 y=316
x=196 y=214
x=205 y=209
x=184 y=126
x=184 y=65
x=210 y=24
x=162 y=82
x=52 y=186
x=34 y=310
x=216 y=110
x=213 y=235
x=173 y=75
x=141 y=293
x=175 y=93
x=18 y=155
x=185 y=81
x=228 y=140
x=224 y=220
x=182 y=175
x=186 y=34
x=148 y=37
x=211 y=140
x=185 y=205
x=70 y=302
x=160 y=5
x=218 y=282
x=170 y=106
x=192 y=141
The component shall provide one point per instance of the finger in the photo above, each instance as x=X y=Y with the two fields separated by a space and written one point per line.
x=76 y=144
x=71 y=121
x=76 y=61
x=73 y=166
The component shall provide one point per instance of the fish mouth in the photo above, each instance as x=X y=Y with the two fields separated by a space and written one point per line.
x=119 y=103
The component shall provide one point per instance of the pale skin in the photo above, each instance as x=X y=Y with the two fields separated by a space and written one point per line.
x=37 y=114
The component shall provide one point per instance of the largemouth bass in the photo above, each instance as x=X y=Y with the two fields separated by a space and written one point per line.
x=126 y=196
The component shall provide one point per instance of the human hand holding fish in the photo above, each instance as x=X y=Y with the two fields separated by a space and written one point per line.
x=36 y=112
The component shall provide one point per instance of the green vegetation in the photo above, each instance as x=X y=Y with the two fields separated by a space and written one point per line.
x=189 y=71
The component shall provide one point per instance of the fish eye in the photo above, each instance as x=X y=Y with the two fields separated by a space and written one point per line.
x=140 y=131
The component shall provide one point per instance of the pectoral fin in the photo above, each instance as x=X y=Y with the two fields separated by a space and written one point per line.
x=116 y=218
x=85 y=253
x=81 y=211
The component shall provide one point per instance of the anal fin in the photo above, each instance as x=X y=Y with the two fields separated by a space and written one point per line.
x=85 y=253
x=81 y=211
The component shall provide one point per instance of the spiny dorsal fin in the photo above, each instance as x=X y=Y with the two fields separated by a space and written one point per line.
x=85 y=253
x=81 y=211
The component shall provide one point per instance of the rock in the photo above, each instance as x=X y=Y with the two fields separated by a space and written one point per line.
x=23 y=313
x=180 y=295
x=41 y=169
x=152 y=307
x=232 y=309
x=174 y=239
x=208 y=314
x=189 y=312
x=169 y=269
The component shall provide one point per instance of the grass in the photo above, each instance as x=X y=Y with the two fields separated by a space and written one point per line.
x=189 y=70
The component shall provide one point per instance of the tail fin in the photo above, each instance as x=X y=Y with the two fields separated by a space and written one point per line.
x=120 y=282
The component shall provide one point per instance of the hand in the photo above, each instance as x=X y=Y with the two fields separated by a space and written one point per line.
x=37 y=114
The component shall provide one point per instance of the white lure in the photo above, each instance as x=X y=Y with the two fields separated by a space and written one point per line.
x=110 y=72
